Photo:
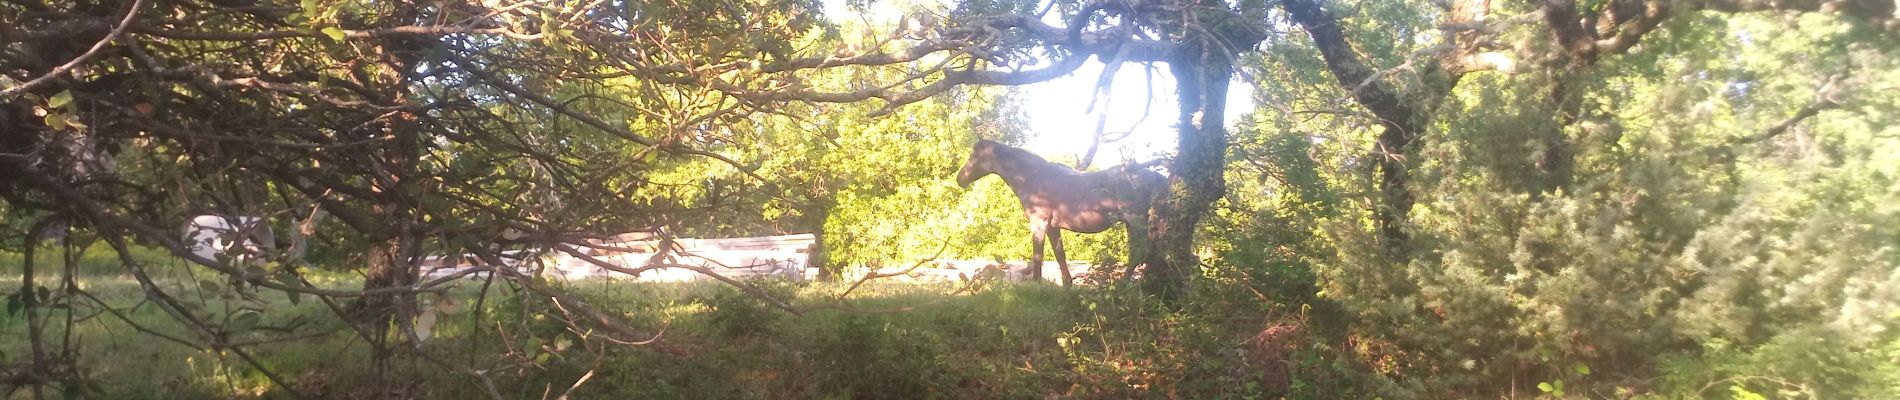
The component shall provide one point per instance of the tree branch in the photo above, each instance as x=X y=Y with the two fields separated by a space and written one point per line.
x=81 y=59
x=424 y=30
x=99 y=216
x=1823 y=100
x=590 y=120
x=1351 y=72
x=1879 y=14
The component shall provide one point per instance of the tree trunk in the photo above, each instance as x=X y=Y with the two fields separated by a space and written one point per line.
x=1395 y=189
x=820 y=256
x=388 y=318
x=388 y=268
x=1196 y=175
x=1557 y=165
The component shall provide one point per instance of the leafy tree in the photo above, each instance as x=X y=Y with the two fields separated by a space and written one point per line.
x=1530 y=188
x=479 y=127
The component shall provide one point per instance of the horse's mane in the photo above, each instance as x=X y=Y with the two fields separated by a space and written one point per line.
x=1003 y=150
x=1006 y=152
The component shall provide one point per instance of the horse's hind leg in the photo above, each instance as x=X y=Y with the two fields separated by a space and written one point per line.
x=1062 y=260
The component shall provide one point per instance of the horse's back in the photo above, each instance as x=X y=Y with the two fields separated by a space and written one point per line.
x=1142 y=176
x=1131 y=182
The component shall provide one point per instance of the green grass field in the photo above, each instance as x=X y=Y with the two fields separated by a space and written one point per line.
x=888 y=340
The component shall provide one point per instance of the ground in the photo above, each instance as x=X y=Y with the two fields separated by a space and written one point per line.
x=888 y=340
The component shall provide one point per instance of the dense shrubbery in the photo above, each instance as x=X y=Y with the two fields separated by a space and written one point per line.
x=1006 y=341
x=1688 y=258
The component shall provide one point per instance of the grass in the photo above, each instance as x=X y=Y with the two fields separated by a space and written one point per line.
x=126 y=363
x=999 y=341
x=888 y=340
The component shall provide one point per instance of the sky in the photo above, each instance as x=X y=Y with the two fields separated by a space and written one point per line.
x=1063 y=126
x=1060 y=122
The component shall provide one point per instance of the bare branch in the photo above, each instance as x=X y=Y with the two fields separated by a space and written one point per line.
x=879 y=275
x=748 y=288
x=950 y=79
x=1823 y=100
x=425 y=30
x=81 y=59
x=591 y=120
x=105 y=220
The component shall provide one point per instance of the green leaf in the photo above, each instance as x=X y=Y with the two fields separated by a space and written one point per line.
x=56 y=120
x=1545 y=386
x=60 y=100
x=1742 y=393
x=547 y=24
x=437 y=205
x=210 y=286
x=244 y=321
x=295 y=298
x=1581 y=369
x=533 y=346
x=335 y=34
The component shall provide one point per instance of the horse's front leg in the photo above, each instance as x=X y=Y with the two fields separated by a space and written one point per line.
x=1062 y=260
x=1138 y=247
x=1038 y=230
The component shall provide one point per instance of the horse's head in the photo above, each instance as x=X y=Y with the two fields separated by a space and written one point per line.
x=982 y=163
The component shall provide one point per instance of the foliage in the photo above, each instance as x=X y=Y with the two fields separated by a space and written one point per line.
x=872 y=202
x=1803 y=363
x=1434 y=198
x=734 y=313
x=1687 y=230
x=1014 y=341
x=401 y=130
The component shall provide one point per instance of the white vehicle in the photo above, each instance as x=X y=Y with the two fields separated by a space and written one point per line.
x=245 y=240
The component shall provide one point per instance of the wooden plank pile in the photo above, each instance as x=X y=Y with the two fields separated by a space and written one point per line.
x=783 y=256
x=961 y=270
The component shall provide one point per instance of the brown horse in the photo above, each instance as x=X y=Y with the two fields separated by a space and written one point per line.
x=1055 y=198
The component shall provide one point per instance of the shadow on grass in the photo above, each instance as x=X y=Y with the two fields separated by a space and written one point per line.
x=1001 y=341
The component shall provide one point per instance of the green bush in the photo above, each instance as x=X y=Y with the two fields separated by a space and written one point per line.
x=872 y=358
x=1681 y=250
x=737 y=313
x=1800 y=364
